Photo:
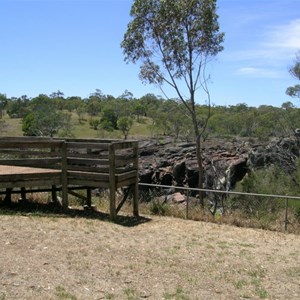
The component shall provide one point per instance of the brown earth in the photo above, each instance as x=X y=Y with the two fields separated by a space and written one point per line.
x=55 y=257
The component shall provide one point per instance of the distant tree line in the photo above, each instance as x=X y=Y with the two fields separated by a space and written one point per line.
x=47 y=115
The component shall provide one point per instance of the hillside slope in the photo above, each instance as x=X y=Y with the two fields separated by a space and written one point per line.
x=163 y=258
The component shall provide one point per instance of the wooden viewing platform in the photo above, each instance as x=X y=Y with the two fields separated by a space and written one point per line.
x=35 y=164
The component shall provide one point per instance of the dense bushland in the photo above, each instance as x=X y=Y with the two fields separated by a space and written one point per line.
x=56 y=115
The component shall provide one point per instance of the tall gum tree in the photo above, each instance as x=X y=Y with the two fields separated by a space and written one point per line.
x=174 y=40
x=294 y=91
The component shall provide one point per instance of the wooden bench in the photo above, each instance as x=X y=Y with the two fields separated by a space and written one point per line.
x=68 y=165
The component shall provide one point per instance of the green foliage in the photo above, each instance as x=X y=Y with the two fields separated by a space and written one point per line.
x=271 y=181
x=3 y=103
x=80 y=110
x=158 y=207
x=177 y=30
x=18 y=108
x=150 y=115
x=44 y=119
x=93 y=106
x=124 y=124
x=294 y=91
x=297 y=214
x=94 y=123
x=173 y=39
x=28 y=127
x=109 y=119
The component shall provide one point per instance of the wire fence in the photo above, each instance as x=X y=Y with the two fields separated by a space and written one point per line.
x=268 y=211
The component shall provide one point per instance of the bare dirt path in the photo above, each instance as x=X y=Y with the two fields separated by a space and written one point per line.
x=165 y=258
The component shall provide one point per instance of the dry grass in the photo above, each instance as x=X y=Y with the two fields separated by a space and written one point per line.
x=86 y=257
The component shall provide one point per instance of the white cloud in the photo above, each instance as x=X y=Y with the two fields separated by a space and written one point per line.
x=270 y=56
x=280 y=43
x=285 y=36
x=258 y=72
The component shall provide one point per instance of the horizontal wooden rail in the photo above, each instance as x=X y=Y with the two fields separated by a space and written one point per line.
x=71 y=163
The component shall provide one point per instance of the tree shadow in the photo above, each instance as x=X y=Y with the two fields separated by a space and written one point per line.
x=53 y=210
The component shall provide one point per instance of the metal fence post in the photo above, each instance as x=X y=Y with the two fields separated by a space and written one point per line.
x=187 y=204
x=286 y=214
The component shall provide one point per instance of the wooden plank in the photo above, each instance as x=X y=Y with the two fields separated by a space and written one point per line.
x=29 y=177
x=32 y=162
x=90 y=155
x=124 y=170
x=91 y=140
x=88 y=175
x=24 y=152
x=124 y=145
x=29 y=144
x=78 y=145
x=87 y=161
x=89 y=183
x=11 y=170
x=77 y=195
x=124 y=176
x=29 y=138
x=103 y=169
x=126 y=193
x=31 y=183
x=125 y=161
x=125 y=182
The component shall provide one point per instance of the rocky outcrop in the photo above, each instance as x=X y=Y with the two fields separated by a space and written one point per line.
x=225 y=162
x=281 y=152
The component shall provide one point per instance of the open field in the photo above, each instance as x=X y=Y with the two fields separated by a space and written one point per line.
x=86 y=257
x=13 y=127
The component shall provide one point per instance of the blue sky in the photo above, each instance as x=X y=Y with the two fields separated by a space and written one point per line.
x=74 y=46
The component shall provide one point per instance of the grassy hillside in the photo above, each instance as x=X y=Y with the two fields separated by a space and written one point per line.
x=58 y=257
x=10 y=127
x=80 y=129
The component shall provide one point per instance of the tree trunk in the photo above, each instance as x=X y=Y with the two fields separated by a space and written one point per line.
x=201 y=171
x=199 y=160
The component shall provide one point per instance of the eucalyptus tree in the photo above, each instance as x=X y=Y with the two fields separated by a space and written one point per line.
x=3 y=103
x=294 y=91
x=44 y=118
x=124 y=124
x=174 y=40
x=18 y=107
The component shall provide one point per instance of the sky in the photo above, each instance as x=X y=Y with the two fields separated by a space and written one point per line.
x=74 y=46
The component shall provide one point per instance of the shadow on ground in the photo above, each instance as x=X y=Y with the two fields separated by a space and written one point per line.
x=52 y=210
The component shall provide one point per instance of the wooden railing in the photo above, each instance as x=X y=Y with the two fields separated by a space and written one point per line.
x=71 y=164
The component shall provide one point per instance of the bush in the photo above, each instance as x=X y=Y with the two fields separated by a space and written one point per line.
x=270 y=181
x=158 y=207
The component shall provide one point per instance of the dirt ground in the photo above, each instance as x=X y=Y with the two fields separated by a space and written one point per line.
x=58 y=257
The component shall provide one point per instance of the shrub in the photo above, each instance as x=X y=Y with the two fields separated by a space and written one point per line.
x=270 y=181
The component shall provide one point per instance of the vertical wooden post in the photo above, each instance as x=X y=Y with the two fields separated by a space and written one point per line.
x=89 y=197
x=23 y=194
x=136 y=184
x=54 y=194
x=7 y=199
x=64 y=176
x=112 y=182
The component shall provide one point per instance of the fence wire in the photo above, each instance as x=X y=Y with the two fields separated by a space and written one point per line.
x=274 y=212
